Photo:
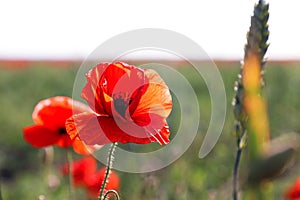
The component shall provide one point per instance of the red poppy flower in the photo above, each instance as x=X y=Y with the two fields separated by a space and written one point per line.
x=85 y=174
x=130 y=105
x=293 y=193
x=81 y=170
x=94 y=182
x=49 y=116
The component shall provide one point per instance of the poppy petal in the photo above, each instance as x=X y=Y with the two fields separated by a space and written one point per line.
x=64 y=141
x=91 y=92
x=160 y=135
x=101 y=130
x=108 y=81
x=156 y=126
x=128 y=91
x=40 y=136
x=53 y=112
x=114 y=83
x=81 y=148
x=113 y=73
x=84 y=125
x=81 y=170
x=157 y=98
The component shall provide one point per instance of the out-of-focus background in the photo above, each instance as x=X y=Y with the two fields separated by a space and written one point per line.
x=42 y=45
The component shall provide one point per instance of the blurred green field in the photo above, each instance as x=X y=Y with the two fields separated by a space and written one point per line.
x=24 y=176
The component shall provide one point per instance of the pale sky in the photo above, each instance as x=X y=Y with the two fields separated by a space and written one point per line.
x=73 y=29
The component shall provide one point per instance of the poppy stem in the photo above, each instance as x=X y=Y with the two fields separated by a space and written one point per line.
x=108 y=170
x=70 y=164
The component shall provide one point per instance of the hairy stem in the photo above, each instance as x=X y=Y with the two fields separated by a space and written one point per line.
x=108 y=169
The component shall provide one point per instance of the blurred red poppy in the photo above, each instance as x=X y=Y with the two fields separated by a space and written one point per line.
x=130 y=105
x=49 y=116
x=85 y=175
x=293 y=192
x=94 y=182
x=81 y=170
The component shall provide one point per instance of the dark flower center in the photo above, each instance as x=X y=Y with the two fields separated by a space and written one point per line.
x=121 y=103
x=62 y=131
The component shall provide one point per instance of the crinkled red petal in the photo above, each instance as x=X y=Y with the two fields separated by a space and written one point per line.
x=91 y=92
x=106 y=82
x=81 y=148
x=129 y=88
x=101 y=130
x=156 y=99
